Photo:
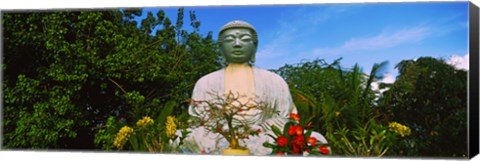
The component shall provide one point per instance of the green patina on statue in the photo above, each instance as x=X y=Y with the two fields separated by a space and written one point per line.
x=246 y=40
x=238 y=42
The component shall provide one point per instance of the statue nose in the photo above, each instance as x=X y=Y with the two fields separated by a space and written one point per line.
x=237 y=43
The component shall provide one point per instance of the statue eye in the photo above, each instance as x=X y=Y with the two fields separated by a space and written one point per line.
x=229 y=39
x=246 y=38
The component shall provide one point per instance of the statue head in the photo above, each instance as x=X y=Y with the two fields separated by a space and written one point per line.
x=238 y=42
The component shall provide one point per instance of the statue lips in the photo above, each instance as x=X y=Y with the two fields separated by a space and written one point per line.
x=237 y=52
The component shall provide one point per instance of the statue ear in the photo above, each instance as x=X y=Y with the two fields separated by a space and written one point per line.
x=224 y=59
x=252 y=59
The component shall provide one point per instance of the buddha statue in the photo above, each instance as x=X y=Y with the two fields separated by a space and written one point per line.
x=238 y=42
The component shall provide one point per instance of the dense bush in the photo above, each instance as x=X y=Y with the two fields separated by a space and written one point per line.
x=66 y=72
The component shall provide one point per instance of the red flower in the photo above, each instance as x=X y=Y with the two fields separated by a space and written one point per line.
x=298 y=143
x=204 y=152
x=296 y=149
x=259 y=130
x=299 y=130
x=295 y=130
x=295 y=116
x=196 y=102
x=312 y=141
x=291 y=130
x=324 y=150
x=282 y=141
x=220 y=129
x=280 y=154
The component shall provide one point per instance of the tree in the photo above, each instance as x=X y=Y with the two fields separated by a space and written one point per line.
x=430 y=96
x=66 y=72
x=332 y=96
x=340 y=104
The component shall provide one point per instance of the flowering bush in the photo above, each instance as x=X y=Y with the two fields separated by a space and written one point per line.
x=148 y=136
x=170 y=126
x=227 y=115
x=144 y=121
x=371 y=139
x=122 y=137
x=400 y=129
x=126 y=133
x=151 y=134
x=295 y=139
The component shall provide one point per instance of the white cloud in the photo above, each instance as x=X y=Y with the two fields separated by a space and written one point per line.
x=387 y=78
x=459 y=62
x=380 y=41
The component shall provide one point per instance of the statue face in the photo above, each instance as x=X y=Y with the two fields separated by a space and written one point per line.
x=237 y=45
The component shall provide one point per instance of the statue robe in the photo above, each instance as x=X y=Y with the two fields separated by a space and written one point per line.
x=269 y=88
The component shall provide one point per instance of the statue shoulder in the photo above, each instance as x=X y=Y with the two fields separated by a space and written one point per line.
x=270 y=75
x=207 y=83
x=211 y=77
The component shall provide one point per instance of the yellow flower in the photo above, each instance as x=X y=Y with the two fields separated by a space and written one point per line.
x=400 y=129
x=122 y=136
x=170 y=126
x=337 y=114
x=144 y=121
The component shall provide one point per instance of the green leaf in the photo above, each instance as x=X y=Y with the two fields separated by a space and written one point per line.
x=287 y=125
x=273 y=137
x=276 y=131
x=167 y=110
x=268 y=145
x=309 y=132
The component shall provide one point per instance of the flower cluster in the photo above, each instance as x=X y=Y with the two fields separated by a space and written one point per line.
x=122 y=136
x=144 y=121
x=399 y=129
x=295 y=139
x=170 y=126
x=150 y=136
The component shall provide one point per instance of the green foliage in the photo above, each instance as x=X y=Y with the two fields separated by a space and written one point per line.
x=106 y=135
x=371 y=140
x=330 y=96
x=430 y=96
x=147 y=134
x=67 y=72
x=342 y=106
x=340 y=103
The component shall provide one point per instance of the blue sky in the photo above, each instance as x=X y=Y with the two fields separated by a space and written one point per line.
x=363 y=33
